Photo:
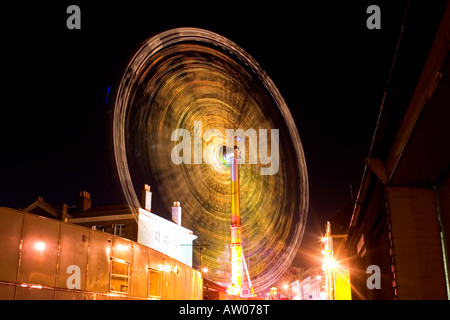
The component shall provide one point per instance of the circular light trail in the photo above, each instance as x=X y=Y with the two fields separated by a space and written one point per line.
x=184 y=77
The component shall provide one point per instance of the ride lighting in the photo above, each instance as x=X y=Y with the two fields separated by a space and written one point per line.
x=227 y=155
x=273 y=291
x=233 y=290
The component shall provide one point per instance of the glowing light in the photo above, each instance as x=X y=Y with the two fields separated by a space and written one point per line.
x=228 y=155
x=273 y=291
x=107 y=95
x=40 y=246
x=177 y=270
x=160 y=267
x=285 y=286
x=233 y=290
x=329 y=263
x=121 y=247
x=187 y=75
x=36 y=286
x=167 y=268
x=205 y=270
x=332 y=264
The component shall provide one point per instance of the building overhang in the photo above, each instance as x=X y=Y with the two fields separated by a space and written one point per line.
x=410 y=147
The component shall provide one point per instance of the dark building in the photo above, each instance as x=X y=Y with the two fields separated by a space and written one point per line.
x=45 y=209
x=401 y=219
x=116 y=219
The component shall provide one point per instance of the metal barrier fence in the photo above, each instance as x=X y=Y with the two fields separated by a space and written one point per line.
x=46 y=259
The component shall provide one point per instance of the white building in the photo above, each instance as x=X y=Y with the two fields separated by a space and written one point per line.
x=165 y=236
x=310 y=288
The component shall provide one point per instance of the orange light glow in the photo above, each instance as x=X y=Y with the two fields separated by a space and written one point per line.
x=167 y=268
x=40 y=246
x=121 y=247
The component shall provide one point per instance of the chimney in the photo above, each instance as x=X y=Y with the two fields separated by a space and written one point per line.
x=62 y=212
x=176 y=213
x=146 y=198
x=84 y=200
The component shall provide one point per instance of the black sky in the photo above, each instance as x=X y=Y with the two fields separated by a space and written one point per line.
x=55 y=129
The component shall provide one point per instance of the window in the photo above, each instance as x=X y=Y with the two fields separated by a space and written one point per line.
x=154 y=283
x=119 y=230
x=98 y=228
x=120 y=272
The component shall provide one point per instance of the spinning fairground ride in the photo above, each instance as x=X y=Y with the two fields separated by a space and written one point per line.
x=198 y=119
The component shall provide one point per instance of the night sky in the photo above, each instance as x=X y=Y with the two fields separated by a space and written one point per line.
x=55 y=117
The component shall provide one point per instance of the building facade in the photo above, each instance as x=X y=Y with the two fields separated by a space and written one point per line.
x=310 y=286
x=401 y=220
